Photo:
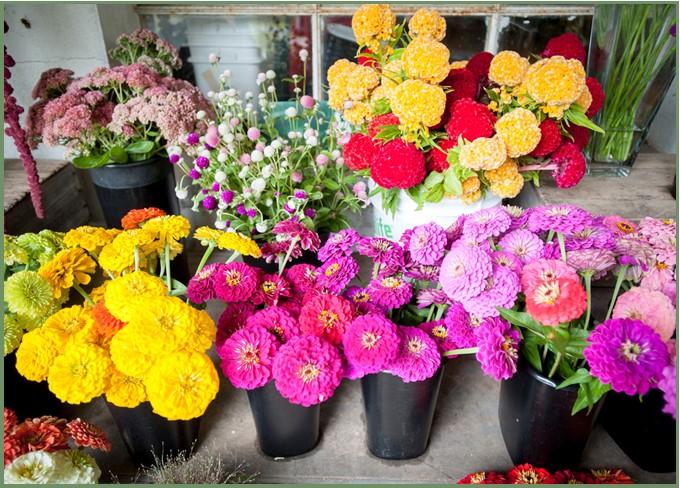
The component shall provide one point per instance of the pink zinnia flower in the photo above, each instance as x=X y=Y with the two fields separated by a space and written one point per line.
x=668 y=384
x=508 y=260
x=335 y=274
x=232 y=319
x=658 y=278
x=545 y=270
x=427 y=243
x=418 y=358
x=489 y=222
x=439 y=331
x=201 y=287
x=524 y=244
x=371 y=342
x=326 y=316
x=294 y=229
x=460 y=327
x=362 y=301
x=307 y=370
x=618 y=225
x=563 y=218
x=651 y=307
x=554 y=302
x=277 y=321
x=464 y=272
x=302 y=277
x=339 y=244
x=235 y=282
x=500 y=290
x=498 y=348
x=431 y=296
x=247 y=357
x=270 y=289
x=383 y=251
x=390 y=292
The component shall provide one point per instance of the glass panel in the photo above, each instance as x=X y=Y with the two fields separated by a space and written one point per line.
x=246 y=44
x=529 y=35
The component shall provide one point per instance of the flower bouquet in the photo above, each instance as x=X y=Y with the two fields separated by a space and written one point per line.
x=37 y=451
x=473 y=131
x=527 y=474
x=263 y=161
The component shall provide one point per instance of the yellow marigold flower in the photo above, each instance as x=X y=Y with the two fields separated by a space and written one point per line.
x=508 y=68
x=181 y=385
x=470 y=198
x=427 y=60
x=339 y=70
x=458 y=64
x=234 y=241
x=373 y=23
x=67 y=268
x=125 y=391
x=80 y=374
x=37 y=352
x=168 y=228
x=520 y=132
x=483 y=153
x=197 y=334
x=121 y=293
x=358 y=113
x=97 y=294
x=417 y=103
x=69 y=320
x=427 y=23
x=505 y=181
x=556 y=80
x=584 y=99
x=555 y=111
x=92 y=239
x=207 y=235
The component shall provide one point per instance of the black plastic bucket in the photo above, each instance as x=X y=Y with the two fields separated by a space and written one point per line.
x=283 y=428
x=123 y=187
x=29 y=399
x=536 y=420
x=145 y=433
x=399 y=415
x=641 y=429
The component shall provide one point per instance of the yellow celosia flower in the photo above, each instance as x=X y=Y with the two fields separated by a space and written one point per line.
x=233 y=241
x=584 y=99
x=505 y=181
x=483 y=153
x=125 y=391
x=392 y=74
x=181 y=385
x=417 y=103
x=458 y=64
x=471 y=190
x=207 y=235
x=339 y=70
x=555 y=111
x=69 y=320
x=37 y=352
x=380 y=93
x=427 y=23
x=556 y=80
x=121 y=293
x=520 y=132
x=372 y=24
x=90 y=238
x=80 y=374
x=362 y=79
x=358 y=113
x=427 y=60
x=337 y=99
x=508 y=68
x=69 y=267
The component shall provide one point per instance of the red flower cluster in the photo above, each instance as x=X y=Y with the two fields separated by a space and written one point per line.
x=134 y=218
x=463 y=84
x=526 y=474
x=377 y=123
x=479 y=65
x=597 y=93
x=550 y=138
x=571 y=165
x=398 y=164
x=437 y=160
x=359 y=152
x=567 y=45
x=470 y=120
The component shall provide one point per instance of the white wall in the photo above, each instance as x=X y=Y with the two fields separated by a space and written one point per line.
x=663 y=134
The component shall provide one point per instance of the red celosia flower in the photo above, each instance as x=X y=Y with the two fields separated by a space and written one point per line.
x=138 y=216
x=580 y=134
x=479 y=65
x=366 y=60
x=105 y=324
x=606 y=476
x=551 y=138
x=597 y=93
x=567 y=45
x=377 y=123
x=11 y=419
x=483 y=478
x=526 y=474
x=326 y=316
x=84 y=434
x=470 y=120
x=463 y=84
x=398 y=164
x=571 y=165
x=569 y=477
x=553 y=302
x=436 y=159
x=359 y=152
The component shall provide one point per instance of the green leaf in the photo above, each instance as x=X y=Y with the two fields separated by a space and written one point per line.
x=433 y=179
x=582 y=375
x=452 y=156
x=317 y=195
x=416 y=194
x=578 y=341
x=435 y=194
x=576 y=115
x=90 y=162
x=118 y=154
x=522 y=319
x=589 y=394
x=388 y=133
x=381 y=106
x=531 y=352
x=330 y=184
x=452 y=183
x=140 y=147
x=558 y=337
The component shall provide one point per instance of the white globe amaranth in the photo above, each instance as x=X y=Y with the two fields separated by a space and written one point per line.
x=290 y=112
x=220 y=175
x=261 y=227
x=222 y=157
x=220 y=224
x=181 y=193
x=258 y=185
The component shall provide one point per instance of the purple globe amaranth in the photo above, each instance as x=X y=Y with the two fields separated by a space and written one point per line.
x=209 y=203
x=227 y=196
x=202 y=162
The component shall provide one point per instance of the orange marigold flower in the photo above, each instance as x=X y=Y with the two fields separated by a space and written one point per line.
x=134 y=218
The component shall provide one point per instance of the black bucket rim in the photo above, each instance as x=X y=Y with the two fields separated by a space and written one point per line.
x=129 y=164
x=541 y=378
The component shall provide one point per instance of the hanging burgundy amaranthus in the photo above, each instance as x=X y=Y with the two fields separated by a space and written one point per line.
x=13 y=129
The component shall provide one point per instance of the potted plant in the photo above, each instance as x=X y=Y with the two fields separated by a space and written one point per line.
x=452 y=138
x=116 y=122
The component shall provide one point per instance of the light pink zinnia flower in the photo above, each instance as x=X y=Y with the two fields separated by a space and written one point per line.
x=524 y=244
x=546 y=270
x=651 y=307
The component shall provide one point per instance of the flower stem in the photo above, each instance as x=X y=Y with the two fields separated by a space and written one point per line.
x=168 y=279
x=587 y=278
x=558 y=359
x=563 y=251
x=136 y=258
x=617 y=287
x=457 y=352
x=282 y=264
x=206 y=256
x=232 y=258
x=82 y=292
x=551 y=234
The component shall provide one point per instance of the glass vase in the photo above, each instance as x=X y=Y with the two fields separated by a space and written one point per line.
x=632 y=55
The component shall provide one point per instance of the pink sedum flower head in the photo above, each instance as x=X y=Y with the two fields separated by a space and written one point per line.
x=439 y=331
x=277 y=321
x=335 y=274
x=201 y=287
x=427 y=243
x=302 y=277
x=500 y=290
x=326 y=316
x=626 y=354
x=371 y=343
x=524 y=244
x=464 y=272
x=418 y=358
x=247 y=357
x=235 y=282
x=545 y=270
x=651 y=307
x=498 y=348
x=460 y=326
x=339 y=244
x=489 y=222
x=390 y=292
x=232 y=319
x=307 y=370
x=555 y=302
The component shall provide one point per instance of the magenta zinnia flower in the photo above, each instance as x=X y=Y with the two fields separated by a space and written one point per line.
x=339 y=244
x=429 y=296
x=651 y=307
x=201 y=287
x=232 y=319
x=270 y=289
x=594 y=261
x=524 y=244
x=277 y=321
x=302 y=277
x=459 y=325
x=247 y=357
x=235 y=282
x=464 y=272
x=362 y=301
x=626 y=354
x=294 y=229
x=498 y=348
x=500 y=290
x=326 y=316
x=427 y=243
x=335 y=274
x=390 y=292
x=439 y=331
x=565 y=219
x=668 y=385
x=518 y=217
x=371 y=342
x=307 y=370
x=422 y=272
x=418 y=358
x=489 y=222
x=508 y=260
x=389 y=255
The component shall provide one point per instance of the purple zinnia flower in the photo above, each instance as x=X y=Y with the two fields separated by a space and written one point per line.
x=498 y=348
x=464 y=272
x=247 y=357
x=518 y=217
x=192 y=139
x=277 y=321
x=565 y=219
x=489 y=222
x=335 y=274
x=383 y=251
x=427 y=243
x=500 y=290
x=194 y=174
x=302 y=276
x=522 y=243
x=362 y=301
x=439 y=331
x=201 y=287
x=509 y=260
x=594 y=261
x=626 y=354
x=418 y=358
x=235 y=282
x=455 y=230
x=371 y=342
x=422 y=272
x=460 y=327
x=431 y=296
x=209 y=203
x=339 y=244
x=668 y=385
x=390 y=292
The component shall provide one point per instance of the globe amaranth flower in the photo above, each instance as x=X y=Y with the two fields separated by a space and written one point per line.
x=427 y=243
x=460 y=328
x=27 y=293
x=326 y=316
x=626 y=354
x=427 y=60
x=668 y=385
x=373 y=23
x=418 y=358
x=439 y=331
x=371 y=342
x=67 y=268
x=247 y=356
x=427 y=23
x=464 y=272
x=526 y=474
x=519 y=130
x=277 y=321
x=483 y=478
x=483 y=153
x=564 y=218
x=383 y=251
x=557 y=301
x=649 y=306
x=338 y=244
x=507 y=68
x=232 y=319
x=201 y=287
x=522 y=243
x=307 y=370
x=505 y=181
x=417 y=103
x=485 y=223
x=498 y=348
x=390 y=292
x=556 y=81
x=271 y=289
x=80 y=374
x=335 y=274
x=235 y=282
x=500 y=290
x=470 y=120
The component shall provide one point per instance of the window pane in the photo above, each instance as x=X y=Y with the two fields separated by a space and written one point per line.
x=529 y=35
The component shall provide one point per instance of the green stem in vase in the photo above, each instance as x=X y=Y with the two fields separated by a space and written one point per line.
x=617 y=287
x=206 y=255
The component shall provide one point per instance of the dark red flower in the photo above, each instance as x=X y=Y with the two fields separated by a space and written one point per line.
x=526 y=474
x=569 y=477
x=580 y=134
x=551 y=138
x=42 y=434
x=567 y=45
x=84 y=434
x=607 y=476
x=571 y=165
x=436 y=159
x=11 y=419
x=483 y=478
x=479 y=65
x=377 y=123
x=463 y=84
x=470 y=120
x=398 y=164
x=597 y=93
x=366 y=60
x=359 y=152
